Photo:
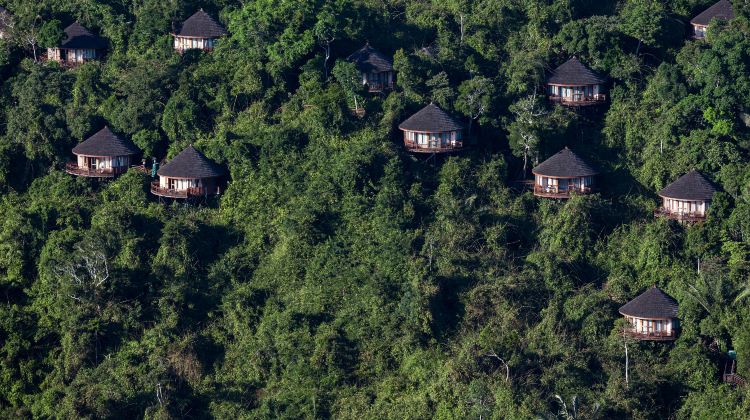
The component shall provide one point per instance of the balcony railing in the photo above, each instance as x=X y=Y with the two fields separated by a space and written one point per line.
x=554 y=191
x=651 y=335
x=73 y=169
x=579 y=99
x=157 y=189
x=379 y=87
x=733 y=379
x=66 y=63
x=182 y=50
x=680 y=216
x=433 y=146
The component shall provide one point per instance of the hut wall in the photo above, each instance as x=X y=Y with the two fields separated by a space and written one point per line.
x=685 y=206
x=179 y=184
x=645 y=326
x=378 y=78
x=432 y=140
x=187 y=43
x=699 y=31
x=103 y=162
x=563 y=184
x=71 y=56
x=577 y=92
x=53 y=54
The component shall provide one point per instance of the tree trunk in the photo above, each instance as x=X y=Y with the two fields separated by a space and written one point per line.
x=627 y=362
x=327 y=50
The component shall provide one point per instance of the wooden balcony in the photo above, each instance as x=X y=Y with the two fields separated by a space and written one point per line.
x=66 y=64
x=679 y=216
x=556 y=192
x=73 y=169
x=433 y=147
x=181 y=50
x=160 y=191
x=651 y=335
x=579 y=99
x=379 y=87
x=733 y=379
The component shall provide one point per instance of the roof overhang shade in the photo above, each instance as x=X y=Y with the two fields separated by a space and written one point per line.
x=79 y=38
x=106 y=144
x=565 y=164
x=692 y=186
x=201 y=25
x=651 y=304
x=430 y=119
x=369 y=60
x=575 y=73
x=721 y=10
x=191 y=164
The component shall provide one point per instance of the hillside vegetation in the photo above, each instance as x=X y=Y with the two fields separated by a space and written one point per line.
x=339 y=276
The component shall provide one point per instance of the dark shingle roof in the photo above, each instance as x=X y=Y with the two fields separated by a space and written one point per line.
x=191 y=163
x=201 y=25
x=368 y=59
x=691 y=186
x=651 y=304
x=76 y=36
x=720 y=10
x=565 y=164
x=431 y=119
x=106 y=143
x=573 y=72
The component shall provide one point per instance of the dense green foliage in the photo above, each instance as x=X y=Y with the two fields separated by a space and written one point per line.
x=338 y=276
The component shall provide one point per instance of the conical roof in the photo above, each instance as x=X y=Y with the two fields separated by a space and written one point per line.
x=565 y=164
x=191 y=163
x=78 y=37
x=691 y=186
x=368 y=60
x=651 y=304
x=431 y=119
x=106 y=143
x=201 y=25
x=720 y=10
x=575 y=73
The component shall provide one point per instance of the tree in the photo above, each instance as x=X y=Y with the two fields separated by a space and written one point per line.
x=442 y=93
x=525 y=130
x=326 y=31
x=50 y=34
x=643 y=20
x=350 y=79
x=475 y=98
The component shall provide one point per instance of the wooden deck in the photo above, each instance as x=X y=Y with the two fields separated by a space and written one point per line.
x=579 y=100
x=433 y=147
x=734 y=379
x=160 y=191
x=652 y=336
x=555 y=192
x=73 y=169
x=182 y=50
x=66 y=64
x=379 y=87
x=730 y=375
x=680 y=217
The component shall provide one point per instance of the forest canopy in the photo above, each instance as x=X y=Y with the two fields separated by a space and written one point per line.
x=337 y=275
